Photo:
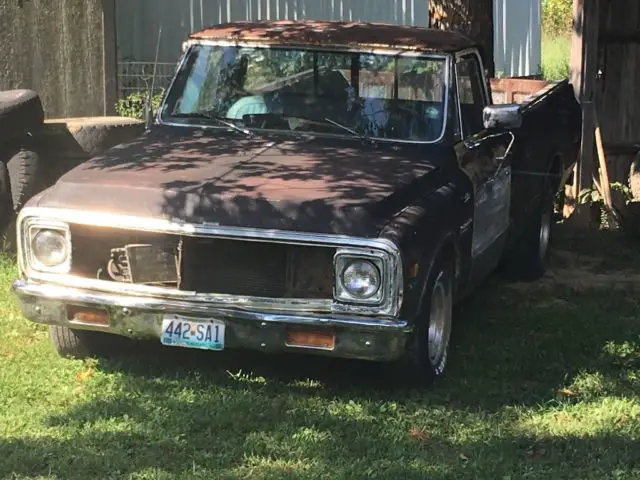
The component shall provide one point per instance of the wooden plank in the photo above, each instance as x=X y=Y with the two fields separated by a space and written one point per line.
x=584 y=55
x=520 y=85
x=618 y=99
x=622 y=148
x=510 y=90
x=609 y=37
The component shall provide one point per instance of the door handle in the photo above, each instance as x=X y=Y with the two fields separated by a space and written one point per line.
x=471 y=144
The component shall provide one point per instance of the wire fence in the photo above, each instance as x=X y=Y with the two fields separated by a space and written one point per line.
x=138 y=76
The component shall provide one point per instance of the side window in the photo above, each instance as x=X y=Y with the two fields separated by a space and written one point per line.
x=471 y=95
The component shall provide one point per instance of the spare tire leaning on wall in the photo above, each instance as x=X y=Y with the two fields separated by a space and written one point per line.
x=71 y=141
x=21 y=119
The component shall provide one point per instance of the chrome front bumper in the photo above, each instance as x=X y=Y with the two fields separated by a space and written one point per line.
x=141 y=318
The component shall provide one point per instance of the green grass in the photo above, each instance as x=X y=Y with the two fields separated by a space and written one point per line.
x=556 y=51
x=544 y=383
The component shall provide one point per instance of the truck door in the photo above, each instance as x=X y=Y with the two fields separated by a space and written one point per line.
x=481 y=157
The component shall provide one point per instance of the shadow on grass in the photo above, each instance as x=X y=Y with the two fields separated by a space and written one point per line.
x=170 y=413
x=508 y=348
x=305 y=446
x=167 y=413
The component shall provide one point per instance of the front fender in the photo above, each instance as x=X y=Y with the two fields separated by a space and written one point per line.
x=439 y=222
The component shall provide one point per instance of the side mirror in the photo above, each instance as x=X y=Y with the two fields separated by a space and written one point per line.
x=503 y=117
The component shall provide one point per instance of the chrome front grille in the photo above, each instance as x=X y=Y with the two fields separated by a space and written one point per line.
x=207 y=265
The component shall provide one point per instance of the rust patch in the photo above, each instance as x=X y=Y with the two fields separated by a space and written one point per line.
x=338 y=34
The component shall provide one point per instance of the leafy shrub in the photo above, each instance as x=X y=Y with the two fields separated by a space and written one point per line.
x=133 y=105
x=557 y=23
x=555 y=57
x=557 y=17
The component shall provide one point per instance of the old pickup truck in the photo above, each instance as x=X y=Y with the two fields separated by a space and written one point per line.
x=320 y=187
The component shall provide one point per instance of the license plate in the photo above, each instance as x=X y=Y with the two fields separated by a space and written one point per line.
x=185 y=332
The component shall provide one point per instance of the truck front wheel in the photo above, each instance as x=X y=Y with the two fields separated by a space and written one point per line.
x=80 y=344
x=428 y=348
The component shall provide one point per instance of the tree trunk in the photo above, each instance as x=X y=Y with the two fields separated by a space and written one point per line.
x=473 y=18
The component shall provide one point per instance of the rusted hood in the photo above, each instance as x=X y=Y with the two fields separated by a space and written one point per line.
x=314 y=185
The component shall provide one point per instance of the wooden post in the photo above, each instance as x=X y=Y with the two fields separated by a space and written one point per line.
x=584 y=58
x=110 y=58
x=602 y=162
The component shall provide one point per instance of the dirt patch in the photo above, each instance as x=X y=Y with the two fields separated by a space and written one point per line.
x=582 y=263
x=582 y=278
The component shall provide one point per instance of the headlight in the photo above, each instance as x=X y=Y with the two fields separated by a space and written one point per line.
x=50 y=248
x=361 y=279
x=46 y=245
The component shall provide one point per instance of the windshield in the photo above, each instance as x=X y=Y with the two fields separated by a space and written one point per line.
x=379 y=96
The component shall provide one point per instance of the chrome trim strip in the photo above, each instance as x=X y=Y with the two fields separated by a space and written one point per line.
x=366 y=48
x=460 y=56
x=172 y=294
x=77 y=296
x=162 y=225
x=390 y=306
x=163 y=102
x=474 y=52
x=223 y=43
x=458 y=104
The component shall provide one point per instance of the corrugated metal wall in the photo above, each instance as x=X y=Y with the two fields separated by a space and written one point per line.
x=138 y=20
x=517 y=23
x=517 y=37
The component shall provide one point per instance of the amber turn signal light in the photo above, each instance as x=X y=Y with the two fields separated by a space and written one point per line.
x=89 y=316
x=302 y=339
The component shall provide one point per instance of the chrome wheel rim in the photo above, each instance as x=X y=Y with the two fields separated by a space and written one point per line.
x=545 y=233
x=440 y=321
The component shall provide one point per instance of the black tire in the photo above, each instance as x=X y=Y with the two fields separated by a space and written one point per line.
x=80 y=344
x=6 y=206
x=20 y=112
x=634 y=178
x=24 y=165
x=425 y=361
x=528 y=259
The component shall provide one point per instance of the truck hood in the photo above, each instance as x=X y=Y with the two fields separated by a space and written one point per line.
x=306 y=184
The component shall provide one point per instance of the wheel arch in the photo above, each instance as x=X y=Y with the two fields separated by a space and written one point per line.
x=555 y=171
x=448 y=247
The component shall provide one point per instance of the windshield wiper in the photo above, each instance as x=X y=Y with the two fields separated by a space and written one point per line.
x=220 y=120
x=350 y=130
x=335 y=124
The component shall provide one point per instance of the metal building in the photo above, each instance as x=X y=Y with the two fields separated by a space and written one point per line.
x=517 y=37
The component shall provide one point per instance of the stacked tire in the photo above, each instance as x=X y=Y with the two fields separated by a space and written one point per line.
x=21 y=118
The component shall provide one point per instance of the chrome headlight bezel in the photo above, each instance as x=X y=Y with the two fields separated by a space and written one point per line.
x=28 y=229
x=343 y=259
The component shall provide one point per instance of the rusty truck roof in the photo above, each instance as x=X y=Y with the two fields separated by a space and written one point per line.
x=337 y=34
